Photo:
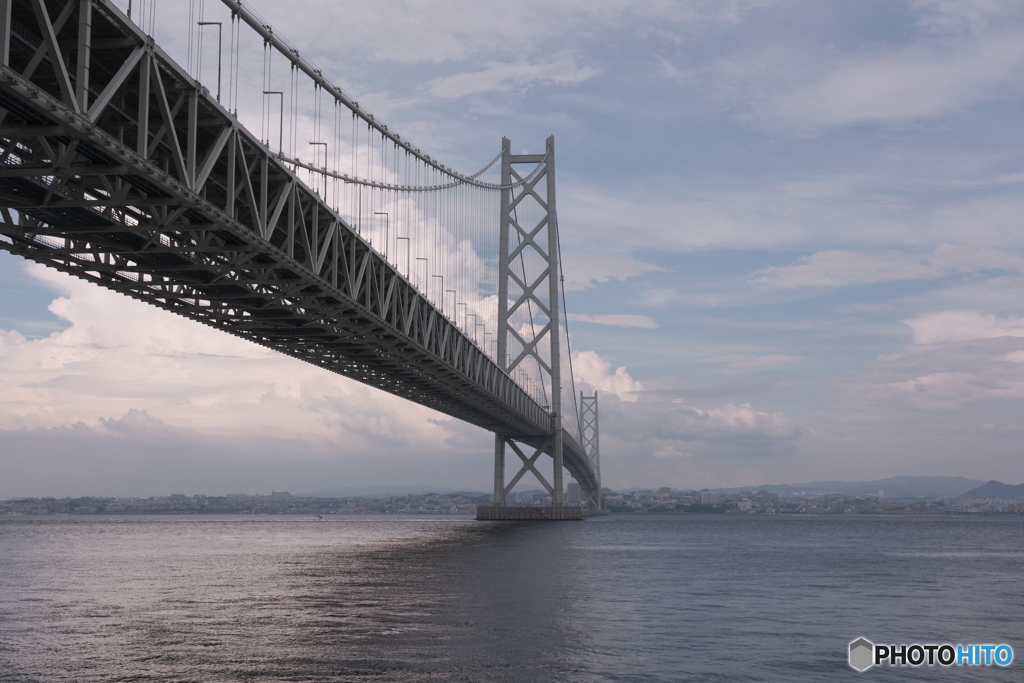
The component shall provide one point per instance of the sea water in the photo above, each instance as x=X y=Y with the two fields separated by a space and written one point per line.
x=389 y=598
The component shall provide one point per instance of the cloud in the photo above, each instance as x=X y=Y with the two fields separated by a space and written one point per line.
x=592 y=370
x=962 y=54
x=616 y=320
x=860 y=140
x=730 y=421
x=671 y=450
x=561 y=70
x=894 y=86
x=140 y=425
x=842 y=268
x=139 y=455
x=959 y=18
x=939 y=383
x=675 y=429
x=458 y=30
x=948 y=389
x=119 y=355
x=131 y=399
x=1002 y=430
x=587 y=268
x=960 y=326
x=768 y=361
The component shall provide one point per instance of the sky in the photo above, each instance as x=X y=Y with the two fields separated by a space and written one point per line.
x=792 y=238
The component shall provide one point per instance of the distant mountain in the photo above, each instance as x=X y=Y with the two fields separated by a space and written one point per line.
x=894 y=487
x=995 y=489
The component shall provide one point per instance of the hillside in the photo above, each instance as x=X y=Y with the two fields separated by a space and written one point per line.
x=996 y=489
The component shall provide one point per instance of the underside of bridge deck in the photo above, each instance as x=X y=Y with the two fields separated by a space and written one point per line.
x=119 y=168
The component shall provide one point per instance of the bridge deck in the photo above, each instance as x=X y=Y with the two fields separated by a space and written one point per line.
x=128 y=174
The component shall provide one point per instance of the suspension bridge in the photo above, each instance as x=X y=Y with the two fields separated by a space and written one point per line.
x=247 y=191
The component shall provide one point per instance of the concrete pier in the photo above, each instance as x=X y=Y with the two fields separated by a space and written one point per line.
x=517 y=513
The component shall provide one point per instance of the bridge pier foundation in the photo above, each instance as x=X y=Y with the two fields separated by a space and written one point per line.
x=532 y=513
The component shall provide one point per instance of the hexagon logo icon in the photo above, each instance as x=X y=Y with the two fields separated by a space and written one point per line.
x=862 y=654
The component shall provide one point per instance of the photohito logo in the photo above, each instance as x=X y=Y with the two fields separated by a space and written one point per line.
x=864 y=654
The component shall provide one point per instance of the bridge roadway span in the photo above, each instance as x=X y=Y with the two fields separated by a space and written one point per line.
x=119 y=168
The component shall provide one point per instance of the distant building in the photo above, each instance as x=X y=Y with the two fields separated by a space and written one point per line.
x=664 y=490
x=745 y=505
x=280 y=494
x=574 y=493
x=710 y=498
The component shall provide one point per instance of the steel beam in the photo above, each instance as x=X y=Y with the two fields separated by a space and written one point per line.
x=166 y=198
x=117 y=167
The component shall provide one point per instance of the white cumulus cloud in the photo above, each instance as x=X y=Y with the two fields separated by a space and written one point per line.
x=959 y=326
x=118 y=355
x=591 y=369
x=730 y=421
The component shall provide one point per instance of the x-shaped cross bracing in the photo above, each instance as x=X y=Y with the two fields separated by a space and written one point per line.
x=528 y=466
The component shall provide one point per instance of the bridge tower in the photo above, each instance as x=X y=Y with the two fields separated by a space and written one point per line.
x=590 y=435
x=529 y=282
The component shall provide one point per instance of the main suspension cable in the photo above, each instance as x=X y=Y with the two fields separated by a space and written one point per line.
x=463 y=180
x=290 y=52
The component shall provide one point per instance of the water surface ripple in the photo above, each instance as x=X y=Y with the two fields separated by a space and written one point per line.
x=699 y=598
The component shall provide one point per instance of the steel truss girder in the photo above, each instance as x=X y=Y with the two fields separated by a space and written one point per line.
x=120 y=169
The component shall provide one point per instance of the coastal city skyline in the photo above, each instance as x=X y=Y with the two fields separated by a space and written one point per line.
x=906 y=496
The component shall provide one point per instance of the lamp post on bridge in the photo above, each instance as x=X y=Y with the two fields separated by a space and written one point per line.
x=387 y=223
x=426 y=264
x=280 y=133
x=465 y=317
x=408 y=248
x=325 y=162
x=454 y=307
x=442 y=291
